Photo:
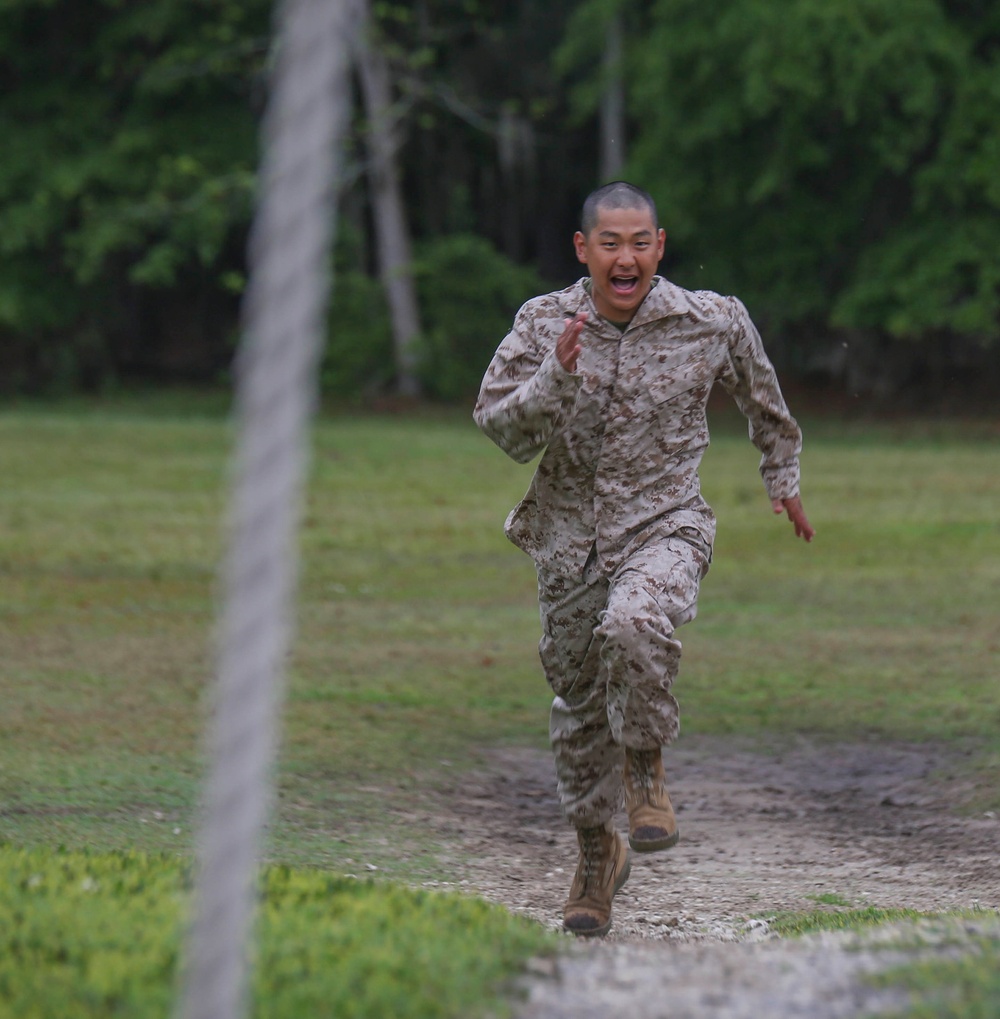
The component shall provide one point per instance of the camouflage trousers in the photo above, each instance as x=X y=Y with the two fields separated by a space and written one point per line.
x=610 y=655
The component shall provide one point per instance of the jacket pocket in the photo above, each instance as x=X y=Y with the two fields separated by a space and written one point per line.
x=669 y=382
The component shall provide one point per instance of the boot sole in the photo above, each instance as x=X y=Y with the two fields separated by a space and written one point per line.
x=654 y=845
x=599 y=932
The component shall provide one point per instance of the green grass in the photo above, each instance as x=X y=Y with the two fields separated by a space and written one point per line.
x=885 y=625
x=417 y=622
x=957 y=972
x=99 y=935
x=840 y=913
x=794 y=924
x=965 y=987
x=830 y=899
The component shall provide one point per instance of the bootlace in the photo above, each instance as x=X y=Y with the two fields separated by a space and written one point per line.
x=642 y=769
x=590 y=847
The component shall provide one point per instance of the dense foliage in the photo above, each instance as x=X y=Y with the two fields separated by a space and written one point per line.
x=126 y=183
x=835 y=162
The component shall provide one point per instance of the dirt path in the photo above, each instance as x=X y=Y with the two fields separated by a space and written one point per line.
x=871 y=823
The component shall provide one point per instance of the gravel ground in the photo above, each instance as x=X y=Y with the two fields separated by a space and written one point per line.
x=870 y=823
x=821 y=976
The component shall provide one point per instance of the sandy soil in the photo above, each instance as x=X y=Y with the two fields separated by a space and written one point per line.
x=873 y=823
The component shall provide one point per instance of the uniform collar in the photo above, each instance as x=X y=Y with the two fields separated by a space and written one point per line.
x=664 y=300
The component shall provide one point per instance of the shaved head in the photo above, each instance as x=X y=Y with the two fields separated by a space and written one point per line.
x=616 y=195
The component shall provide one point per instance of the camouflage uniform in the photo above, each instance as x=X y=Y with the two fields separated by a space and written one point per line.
x=614 y=517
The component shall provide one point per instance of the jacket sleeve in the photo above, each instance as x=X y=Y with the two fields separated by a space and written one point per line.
x=751 y=380
x=526 y=393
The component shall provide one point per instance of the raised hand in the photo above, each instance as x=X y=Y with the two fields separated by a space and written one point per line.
x=568 y=345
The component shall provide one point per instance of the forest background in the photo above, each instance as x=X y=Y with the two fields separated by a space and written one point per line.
x=835 y=163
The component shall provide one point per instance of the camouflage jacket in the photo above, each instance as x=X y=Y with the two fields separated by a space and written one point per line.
x=624 y=434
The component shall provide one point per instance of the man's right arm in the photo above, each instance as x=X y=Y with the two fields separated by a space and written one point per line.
x=529 y=387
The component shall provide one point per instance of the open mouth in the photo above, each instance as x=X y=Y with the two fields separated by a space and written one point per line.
x=624 y=286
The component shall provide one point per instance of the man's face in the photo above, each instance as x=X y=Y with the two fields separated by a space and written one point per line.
x=622 y=253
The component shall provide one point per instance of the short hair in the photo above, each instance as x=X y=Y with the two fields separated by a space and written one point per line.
x=619 y=194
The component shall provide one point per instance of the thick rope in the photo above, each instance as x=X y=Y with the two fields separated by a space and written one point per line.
x=275 y=394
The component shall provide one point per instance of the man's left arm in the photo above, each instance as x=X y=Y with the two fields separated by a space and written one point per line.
x=752 y=382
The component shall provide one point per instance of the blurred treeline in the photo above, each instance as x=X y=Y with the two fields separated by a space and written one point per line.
x=836 y=163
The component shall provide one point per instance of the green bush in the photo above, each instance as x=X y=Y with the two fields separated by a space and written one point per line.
x=99 y=935
x=469 y=293
x=358 y=355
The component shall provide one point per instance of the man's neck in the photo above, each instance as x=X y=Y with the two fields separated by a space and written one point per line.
x=619 y=325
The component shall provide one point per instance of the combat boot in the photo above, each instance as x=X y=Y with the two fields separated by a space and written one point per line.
x=651 y=821
x=602 y=869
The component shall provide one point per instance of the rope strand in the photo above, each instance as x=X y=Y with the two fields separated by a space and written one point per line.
x=275 y=395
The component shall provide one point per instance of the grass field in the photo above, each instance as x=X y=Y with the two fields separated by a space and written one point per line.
x=417 y=626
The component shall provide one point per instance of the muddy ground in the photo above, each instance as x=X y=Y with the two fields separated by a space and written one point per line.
x=871 y=823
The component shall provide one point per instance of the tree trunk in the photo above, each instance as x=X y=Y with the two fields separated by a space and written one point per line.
x=612 y=119
x=393 y=247
x=516 y=150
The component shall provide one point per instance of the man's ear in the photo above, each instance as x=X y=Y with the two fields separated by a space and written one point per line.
x=661 y=242
x=580 y=243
